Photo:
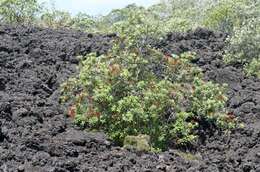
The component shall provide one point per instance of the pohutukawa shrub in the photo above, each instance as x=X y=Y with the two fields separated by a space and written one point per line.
x=122 y=94
x=136 y=91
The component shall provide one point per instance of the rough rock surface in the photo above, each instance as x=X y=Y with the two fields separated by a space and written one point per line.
x=35 y=135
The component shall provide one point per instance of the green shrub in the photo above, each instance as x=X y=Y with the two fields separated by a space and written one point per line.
x=120 y=94
x=137 y=28
x=244 y=43
x=130 y=19
x=56 y=19
x=105 y=23
x=83 y=22
x=180 y=15
x=253 y=68
x=136 y=90
x=19 y=11
x=224 y=15
x=241 y=19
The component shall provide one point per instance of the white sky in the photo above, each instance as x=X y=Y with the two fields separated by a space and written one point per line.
x=96 y=7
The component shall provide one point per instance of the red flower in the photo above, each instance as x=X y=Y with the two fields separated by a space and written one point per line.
x=72 y=112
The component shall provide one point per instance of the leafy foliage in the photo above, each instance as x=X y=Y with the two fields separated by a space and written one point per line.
x=244 y=43
x=253 y=68
x=137 y=28
x=83 y=22
x=19 y=11
x=177 y=15
x=136 y=90
x=56 y=19
x=105 y=23
x=166 y=16
x=224 y=15
x=241 y=19
x=120 y=94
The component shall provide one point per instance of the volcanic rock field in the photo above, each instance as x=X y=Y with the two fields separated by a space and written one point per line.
x=36 y=135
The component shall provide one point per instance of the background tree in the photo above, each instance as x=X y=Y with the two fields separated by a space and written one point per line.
x=19 y=11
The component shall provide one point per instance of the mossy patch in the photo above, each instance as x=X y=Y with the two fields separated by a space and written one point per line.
x=140 y=142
